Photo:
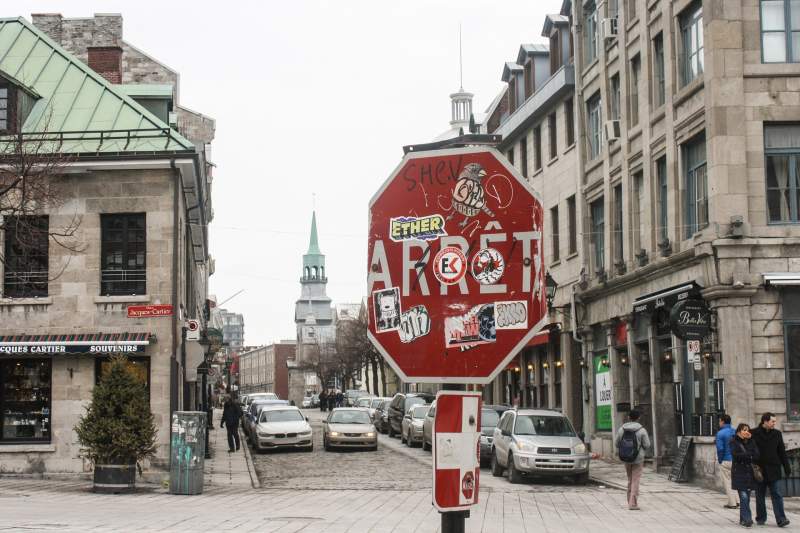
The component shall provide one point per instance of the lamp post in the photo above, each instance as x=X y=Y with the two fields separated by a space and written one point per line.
x=550 y=287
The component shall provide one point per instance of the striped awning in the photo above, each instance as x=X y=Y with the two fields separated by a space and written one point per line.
x=99 y=339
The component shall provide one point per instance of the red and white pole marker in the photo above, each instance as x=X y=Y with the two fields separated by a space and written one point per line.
x=456 y=452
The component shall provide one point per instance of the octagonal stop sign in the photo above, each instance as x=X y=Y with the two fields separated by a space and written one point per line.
x=455 y=266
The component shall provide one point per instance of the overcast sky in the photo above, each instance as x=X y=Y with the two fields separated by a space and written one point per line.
x=312 y=97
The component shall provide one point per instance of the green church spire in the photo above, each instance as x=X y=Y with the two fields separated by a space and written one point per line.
x=313 y=245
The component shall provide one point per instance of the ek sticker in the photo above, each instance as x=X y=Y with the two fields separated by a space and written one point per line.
x=450 y=265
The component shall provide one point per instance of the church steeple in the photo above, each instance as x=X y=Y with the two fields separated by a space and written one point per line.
x=314 y=259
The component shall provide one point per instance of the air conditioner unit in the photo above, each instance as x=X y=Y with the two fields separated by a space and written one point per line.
x=173 y=120
x=612 y=130
x=610 y=28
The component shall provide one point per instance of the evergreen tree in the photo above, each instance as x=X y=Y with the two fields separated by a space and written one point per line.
x=473 y=128
x=118 y=427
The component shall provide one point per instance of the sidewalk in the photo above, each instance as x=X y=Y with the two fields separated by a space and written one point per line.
x=612 y=474
x=227 y=470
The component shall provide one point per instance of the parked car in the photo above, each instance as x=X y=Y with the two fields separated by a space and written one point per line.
x=315 y=400
x=380 y=418
x=349 y=427
x=538 y=442
x=373 y=405
x=399 y=407
x=411 y=432
x=306 y=403
x=364 y=402
x=489 y=420
x=427 y=427
x=281 y=426
x=251 y=415
x=351 y=396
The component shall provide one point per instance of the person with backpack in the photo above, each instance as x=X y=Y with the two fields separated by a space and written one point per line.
x=632 y=442
x=725 y=459
x=744 y=453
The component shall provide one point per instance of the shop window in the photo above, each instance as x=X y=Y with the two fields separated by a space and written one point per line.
x=25 y=400
x=792 y=347
x=123 y=253
x=780 y=31
x=544 y=381
x=26 y=257
x=782 y=154
x=691 y=60
x=138 y=366
x=696 y=185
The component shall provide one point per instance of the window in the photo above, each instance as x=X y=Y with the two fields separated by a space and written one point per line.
x=791 y=331
x=537 y=148
x=25 y=400
x=5 y=108
x=555 y=51
x=782 y=154
x=551 y=128
x=555 y=233
x=598 y=234
x=780 y=31
x=661 y=200
x=618 y=234
x=694 y=156
x=636 y=66
x=572 y=220
x=630 y=10
x=615 y=97
x=523 y=155
x=691 y=21
x=528 y=77
x=26 y=257
x=569 y=120
x=512 y=94
x=659 y=84
x=590 y=32
x=639 y=219
x=595 y=123
x=122 y=254
x=510 y=156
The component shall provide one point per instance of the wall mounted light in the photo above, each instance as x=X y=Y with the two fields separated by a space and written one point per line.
x=545 y=365
x=559 y=363
x=605 y=362
x=667 y=357
x=623 y=359
x=530 y=366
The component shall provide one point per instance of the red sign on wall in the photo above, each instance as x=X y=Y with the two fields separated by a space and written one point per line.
x=455 y=275
x=147 y=311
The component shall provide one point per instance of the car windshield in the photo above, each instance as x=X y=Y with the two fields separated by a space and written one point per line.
x=288 y=415
x=414 y=400
x=376 y=403
x=489 y=418
x=419 y=412
x=364 y=402
x=545 y=426
x=349 y=417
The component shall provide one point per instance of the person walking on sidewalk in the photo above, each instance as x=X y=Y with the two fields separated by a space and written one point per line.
x=744 y=453
x=323 y=400
x=632 y=442
x=231 y=414
x=772 y=457
x=725 y=459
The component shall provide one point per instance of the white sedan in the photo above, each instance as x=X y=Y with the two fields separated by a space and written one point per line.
x=282 y=426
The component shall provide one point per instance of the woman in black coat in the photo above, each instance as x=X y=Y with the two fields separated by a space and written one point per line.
x=745 y=455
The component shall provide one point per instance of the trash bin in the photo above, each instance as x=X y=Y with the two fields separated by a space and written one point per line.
x=187 y=444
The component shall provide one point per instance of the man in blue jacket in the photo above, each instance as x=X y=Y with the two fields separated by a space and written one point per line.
x=725 y=459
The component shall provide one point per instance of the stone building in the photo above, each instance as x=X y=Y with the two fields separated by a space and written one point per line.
x=688 y=124
x=140 y=266
x=534 y=114
x=264 y=369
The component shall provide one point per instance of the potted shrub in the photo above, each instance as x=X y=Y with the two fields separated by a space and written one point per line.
x=117 y=432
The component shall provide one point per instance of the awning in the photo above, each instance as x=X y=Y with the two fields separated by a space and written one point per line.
x=540 y=338
x=779 y=279
x=666 y=298
x=84 y=343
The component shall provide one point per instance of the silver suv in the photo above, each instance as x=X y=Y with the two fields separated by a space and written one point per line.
x=538 y=442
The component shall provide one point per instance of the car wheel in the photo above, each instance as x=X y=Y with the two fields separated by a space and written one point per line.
x=425 y=445
x=497 y=470
x=514 y=475
x=310 y=448
x=581 y=479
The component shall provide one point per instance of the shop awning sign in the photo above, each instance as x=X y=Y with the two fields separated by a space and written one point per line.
x=690 y=319
x=89 y=344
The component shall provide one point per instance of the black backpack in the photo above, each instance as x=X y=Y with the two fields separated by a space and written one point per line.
x=628 y=446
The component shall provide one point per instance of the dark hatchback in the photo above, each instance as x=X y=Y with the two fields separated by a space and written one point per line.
x=399 y=406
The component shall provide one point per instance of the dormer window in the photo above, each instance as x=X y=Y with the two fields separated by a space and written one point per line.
x=4 y=108
x=15 y=106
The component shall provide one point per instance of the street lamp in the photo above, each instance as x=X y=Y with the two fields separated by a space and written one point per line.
x=550 y=286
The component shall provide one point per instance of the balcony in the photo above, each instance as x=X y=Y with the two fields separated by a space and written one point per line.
x=538 y=104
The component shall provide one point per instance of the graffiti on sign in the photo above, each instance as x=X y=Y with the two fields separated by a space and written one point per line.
x=420 y=228
x=414 y=323
x=472 y=329
x=387 y=309
x=511 y=315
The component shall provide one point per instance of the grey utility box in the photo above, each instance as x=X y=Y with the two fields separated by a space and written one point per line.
x=187 y=445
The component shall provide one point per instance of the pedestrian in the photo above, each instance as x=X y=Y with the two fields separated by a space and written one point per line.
x=771 y=458
x=725 y=459
x=339 y=399
x=332 y=401
x=231 y=414
x=323 y=401
x=632 y=442
x=744 y=453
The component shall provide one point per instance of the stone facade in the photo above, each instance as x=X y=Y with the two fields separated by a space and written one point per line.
x=691 y=166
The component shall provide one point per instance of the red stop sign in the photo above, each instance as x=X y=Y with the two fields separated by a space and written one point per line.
x=455 y=266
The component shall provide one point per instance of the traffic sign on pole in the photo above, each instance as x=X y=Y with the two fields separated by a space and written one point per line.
x=455 y=266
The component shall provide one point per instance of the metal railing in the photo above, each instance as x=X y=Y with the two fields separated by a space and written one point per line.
x=25 y=284
x=123 y=282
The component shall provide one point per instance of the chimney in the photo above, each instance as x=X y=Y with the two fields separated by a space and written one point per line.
x=49 y=23
x=107 y=61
